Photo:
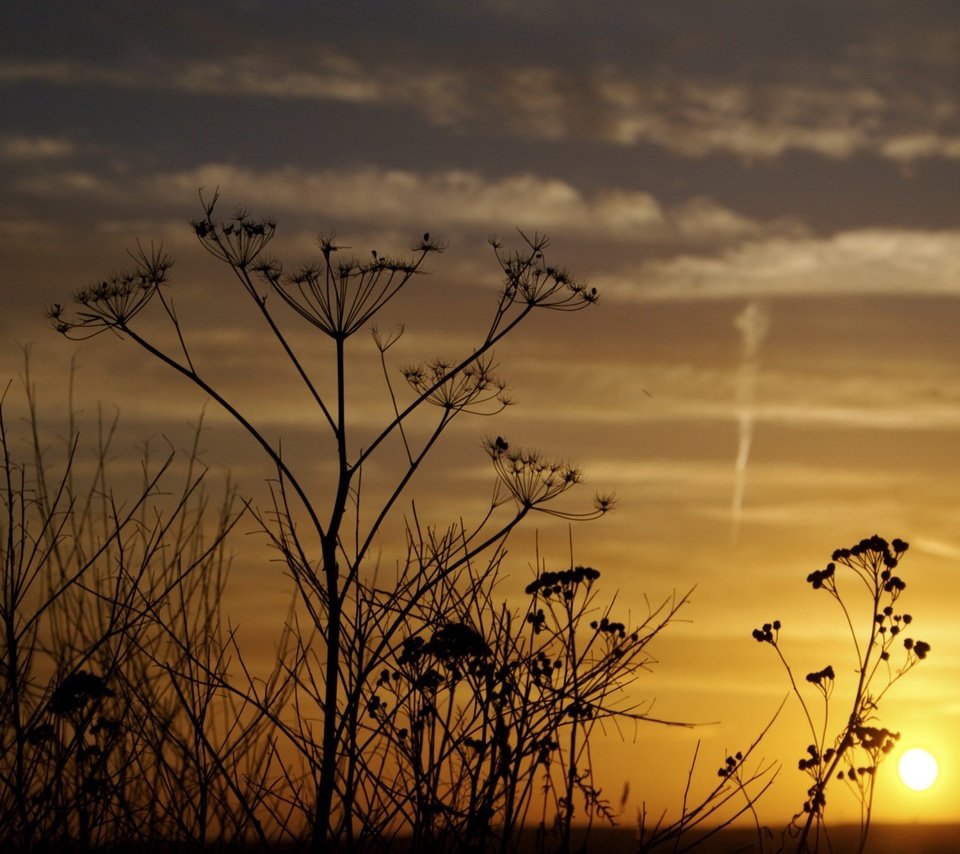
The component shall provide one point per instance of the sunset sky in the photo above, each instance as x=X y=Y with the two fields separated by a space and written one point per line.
x=764 y=194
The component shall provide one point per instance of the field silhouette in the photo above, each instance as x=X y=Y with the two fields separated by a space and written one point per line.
x=412 y=709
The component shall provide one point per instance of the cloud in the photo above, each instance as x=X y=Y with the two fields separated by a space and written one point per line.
x=70 y=73
x=857 y=261
x=937 y=548
x=696 y=118
x=689 y=477
x=337 y=78
x=27 y=228
x=836 y=112
x=757 y=119
x=18 y=148
x=909 y=147
x=451 y=199
x=885 y=396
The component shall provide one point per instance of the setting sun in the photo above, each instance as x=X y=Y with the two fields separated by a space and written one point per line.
x=918 y=769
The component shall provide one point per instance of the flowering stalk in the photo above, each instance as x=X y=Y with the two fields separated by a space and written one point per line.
x=339 y=296
x=855 y=752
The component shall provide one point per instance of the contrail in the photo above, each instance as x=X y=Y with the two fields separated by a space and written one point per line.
x=753 y=323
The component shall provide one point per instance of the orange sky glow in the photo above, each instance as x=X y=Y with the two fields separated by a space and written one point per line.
x=766 y=206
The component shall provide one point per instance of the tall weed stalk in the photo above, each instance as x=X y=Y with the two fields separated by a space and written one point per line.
x=476 y=720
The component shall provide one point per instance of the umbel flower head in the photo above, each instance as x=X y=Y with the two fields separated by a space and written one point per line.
x=731 y=765
x=872 y=559
x=528 y=477
x=457 y=640
x=562 y=583
x=474 y=389
x=340 y=296
x=76 y=691
x=239 y=240
x=529 y=280
x=112 y=303
x=767 y=633
x=532 y=480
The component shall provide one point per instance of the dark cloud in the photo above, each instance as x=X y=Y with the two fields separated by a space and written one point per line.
x=748 y=77
x=701 y=37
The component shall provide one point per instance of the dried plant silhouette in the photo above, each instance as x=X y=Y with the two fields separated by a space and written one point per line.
x=741 y=781
x=410 y=705
x=407 y=704
x=883 y=653
x=111 y=629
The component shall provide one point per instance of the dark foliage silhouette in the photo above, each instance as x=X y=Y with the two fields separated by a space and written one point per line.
x=408 y=706
x=408 y=703
x=883 y=654
x=109 y=729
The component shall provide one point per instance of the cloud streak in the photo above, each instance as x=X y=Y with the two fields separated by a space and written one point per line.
x=451 y=198
x=753 y=323
x=855 y=261
x=915 y=397
x=681 y=111
x=21 y=148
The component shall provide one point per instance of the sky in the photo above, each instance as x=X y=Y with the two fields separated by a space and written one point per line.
x=763 y=193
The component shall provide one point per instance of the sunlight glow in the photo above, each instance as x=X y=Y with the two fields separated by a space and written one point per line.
x=918 y=769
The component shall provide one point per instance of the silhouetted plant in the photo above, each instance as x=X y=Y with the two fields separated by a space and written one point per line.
x=883 y=654
x=469 y=709
x=106 y=733
x=740 y=783
x=405 y=702
x=485 y=706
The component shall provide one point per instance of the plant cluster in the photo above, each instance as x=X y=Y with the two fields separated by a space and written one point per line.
x=405 y=704
x=474 y=723
x=111 y=641
x=408 y=703
x=882 y=656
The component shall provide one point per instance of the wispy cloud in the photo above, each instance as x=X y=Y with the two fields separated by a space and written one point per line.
x=17 y=148
x=832 y=113
x=451 y=198
x=937 y=548
x=910 y=147
x=71 y=73
x=914 y=396
x=752 y=323
x=857 y=261
x=714 y=475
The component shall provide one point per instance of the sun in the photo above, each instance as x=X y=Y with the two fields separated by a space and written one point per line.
x=918 y=769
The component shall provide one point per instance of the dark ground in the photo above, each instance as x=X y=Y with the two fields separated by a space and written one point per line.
x=883 y=839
